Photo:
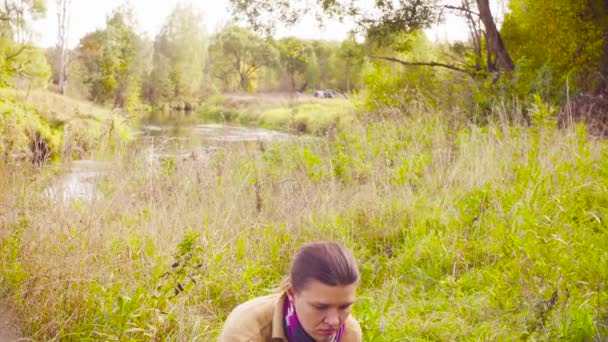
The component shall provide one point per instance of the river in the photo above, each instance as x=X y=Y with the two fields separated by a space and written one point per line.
x=168 y=134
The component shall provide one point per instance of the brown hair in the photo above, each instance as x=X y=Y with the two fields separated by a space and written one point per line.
x=327 y=262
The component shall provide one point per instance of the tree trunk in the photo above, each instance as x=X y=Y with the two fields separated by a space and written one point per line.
x=244 y=82
x=603 y=88
x=119 y=99
x=292 y=76
x=348 y=77
x=63 y=25
x=493 y=38
x=599 y=9
x=63 y=72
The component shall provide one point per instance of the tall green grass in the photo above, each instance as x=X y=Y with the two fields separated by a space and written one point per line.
x=463 y=233
x=70 y=128
x=294 y=114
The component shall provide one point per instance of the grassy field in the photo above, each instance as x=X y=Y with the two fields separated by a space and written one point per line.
x=463 y=233
x=67 y=127
x=295 y=114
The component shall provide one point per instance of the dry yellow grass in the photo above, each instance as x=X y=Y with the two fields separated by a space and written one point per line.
x=460 y=233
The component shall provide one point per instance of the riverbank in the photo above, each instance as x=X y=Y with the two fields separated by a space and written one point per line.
x=291 y=113
x=462 y=233
x=42 y=126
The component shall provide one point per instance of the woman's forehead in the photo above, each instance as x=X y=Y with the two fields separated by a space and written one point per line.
x=316 y=291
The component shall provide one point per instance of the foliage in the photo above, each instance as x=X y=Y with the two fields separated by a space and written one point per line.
x=294 y=58
x=110 y=58
x=385 y=17
x=350 y=61
x=22 y=65
x=314 y=117
x=461 y=232
x=567 y=37
x=295 y=115
x=67 y=128
x=14 y=15
x=179 y=59
x=324 y=54
x=239 y=53
x=469 y=225
x=308 y=65
x=392 y=85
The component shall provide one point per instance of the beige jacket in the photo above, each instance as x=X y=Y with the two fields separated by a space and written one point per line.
x=261 y=320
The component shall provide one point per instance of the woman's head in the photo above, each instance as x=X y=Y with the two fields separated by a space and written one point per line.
x=326 y=262
x=323 y=283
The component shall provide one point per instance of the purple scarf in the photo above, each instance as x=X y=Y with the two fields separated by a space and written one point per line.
x=294 y=330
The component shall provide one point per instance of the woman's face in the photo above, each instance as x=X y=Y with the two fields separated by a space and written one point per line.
x=322 y=309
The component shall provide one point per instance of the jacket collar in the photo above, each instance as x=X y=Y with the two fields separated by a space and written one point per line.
x=278 y=333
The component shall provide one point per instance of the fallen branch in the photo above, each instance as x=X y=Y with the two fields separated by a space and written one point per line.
x=431 y=64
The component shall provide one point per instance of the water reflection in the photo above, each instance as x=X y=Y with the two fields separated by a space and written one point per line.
x=161 y=134
x=217 y=132
x=78 y=182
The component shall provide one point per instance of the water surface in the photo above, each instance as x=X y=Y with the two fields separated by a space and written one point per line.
x=160 y=135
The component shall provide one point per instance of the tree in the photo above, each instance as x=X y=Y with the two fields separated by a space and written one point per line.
x=569 y=37
x=89 y=56
x=14 y=14
x=237 y=50
x=493 y=37
x=21 y=63
x=312 y=73
x=179 y=57
x=158 y=87
x=111 y=58
x=380 y=23
x=121 y=58
x=324 y=52
x=401 y=86
x=19 y=59
x=351 y=58
x=294 y=58
x=63 y=27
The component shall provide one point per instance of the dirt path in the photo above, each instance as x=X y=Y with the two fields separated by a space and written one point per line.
x=9 y=327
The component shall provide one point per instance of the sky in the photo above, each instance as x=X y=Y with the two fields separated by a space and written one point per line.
x=89 y=15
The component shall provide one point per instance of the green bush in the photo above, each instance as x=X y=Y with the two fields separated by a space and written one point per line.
x=462 y=233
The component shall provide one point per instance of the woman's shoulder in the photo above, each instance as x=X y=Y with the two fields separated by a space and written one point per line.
x=353 y=331
x=257 y=306
x=252 y=319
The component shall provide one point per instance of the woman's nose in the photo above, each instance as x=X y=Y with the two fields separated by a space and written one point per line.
x=332 y=318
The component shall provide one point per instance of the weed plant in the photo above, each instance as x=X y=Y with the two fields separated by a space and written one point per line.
x=463 y=233
x=68 y=128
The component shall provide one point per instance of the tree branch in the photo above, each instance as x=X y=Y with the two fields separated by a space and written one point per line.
x=252 y=68
x=462 y=9
x=11 y=56
x=6 y=16
x=431 y=64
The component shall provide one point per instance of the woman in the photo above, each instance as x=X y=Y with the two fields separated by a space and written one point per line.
x=315 y=306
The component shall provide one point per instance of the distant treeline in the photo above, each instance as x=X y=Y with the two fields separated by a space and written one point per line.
x=555 y=50
x=184 y=64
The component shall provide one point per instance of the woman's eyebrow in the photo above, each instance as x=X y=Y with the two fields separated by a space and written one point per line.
x=319 y=304
x=325 y=304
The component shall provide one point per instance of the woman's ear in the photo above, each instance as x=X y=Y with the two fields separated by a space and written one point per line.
x=290 y=292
